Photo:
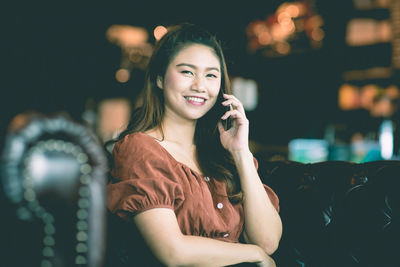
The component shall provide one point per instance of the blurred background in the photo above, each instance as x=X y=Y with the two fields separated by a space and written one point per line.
x=319 y=79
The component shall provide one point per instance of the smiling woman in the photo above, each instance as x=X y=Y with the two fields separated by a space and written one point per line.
x=191 y=84
x=186 y=186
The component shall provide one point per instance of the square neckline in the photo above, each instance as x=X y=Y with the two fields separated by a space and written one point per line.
x=172 y=157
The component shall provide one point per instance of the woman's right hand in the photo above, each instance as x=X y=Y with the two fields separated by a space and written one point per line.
x=267 y=263
x=265 y=260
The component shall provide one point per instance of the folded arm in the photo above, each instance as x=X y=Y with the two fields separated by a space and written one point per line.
x=263 y=226
x=162 y=234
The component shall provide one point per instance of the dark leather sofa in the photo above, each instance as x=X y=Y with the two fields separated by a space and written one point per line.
x=337 y=213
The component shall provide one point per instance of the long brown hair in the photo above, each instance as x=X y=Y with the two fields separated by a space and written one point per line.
x=213 y=159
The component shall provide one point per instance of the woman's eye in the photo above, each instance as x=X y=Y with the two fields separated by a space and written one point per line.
x=187 y=72
x=211 y=75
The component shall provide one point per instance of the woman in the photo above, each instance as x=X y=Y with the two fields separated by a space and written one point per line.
x=190 y=186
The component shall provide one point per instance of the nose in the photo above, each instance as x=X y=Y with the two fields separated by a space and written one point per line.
x=199 y=84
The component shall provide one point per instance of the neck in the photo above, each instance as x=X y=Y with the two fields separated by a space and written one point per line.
x=179 y=131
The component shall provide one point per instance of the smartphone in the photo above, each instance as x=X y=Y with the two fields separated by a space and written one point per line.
x=228 y=122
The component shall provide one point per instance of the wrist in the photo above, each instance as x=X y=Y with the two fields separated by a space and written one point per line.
x=260 y=254
x=240 y=156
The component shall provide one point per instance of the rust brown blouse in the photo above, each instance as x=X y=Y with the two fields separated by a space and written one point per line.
x=146 y=176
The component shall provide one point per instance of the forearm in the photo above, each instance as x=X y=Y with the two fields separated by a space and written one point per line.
x=263 y=225
x=162 y=234
x=200 y=251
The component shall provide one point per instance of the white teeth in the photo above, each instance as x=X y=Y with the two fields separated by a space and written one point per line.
x=195 y=99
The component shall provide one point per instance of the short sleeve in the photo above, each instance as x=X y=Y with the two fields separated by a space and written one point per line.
x=271 y=194
x=142 y=178
x=272 y=197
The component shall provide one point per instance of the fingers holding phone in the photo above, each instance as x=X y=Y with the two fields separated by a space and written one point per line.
x=234 y=126
x=227 y=123
x=233 y=111
x=232 y=100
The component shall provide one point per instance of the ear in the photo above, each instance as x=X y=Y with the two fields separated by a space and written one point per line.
x=159 y=82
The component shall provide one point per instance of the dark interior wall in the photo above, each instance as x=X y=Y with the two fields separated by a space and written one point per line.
x=56 y=56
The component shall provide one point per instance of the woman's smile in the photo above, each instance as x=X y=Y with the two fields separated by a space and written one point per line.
x=197 y=101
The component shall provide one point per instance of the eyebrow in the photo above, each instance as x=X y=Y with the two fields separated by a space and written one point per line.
x=194 y=67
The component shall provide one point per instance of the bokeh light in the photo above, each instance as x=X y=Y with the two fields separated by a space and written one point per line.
x=122 y=75
x=159 y=32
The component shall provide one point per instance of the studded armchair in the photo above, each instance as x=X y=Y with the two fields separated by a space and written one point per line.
x=337 y=213
x=53 y=179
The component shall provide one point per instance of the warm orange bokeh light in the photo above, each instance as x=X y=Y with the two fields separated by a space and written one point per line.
x=367 y=95
x=364 y=31
x=264 y=38
x=318 y=34
x=122 y=75
x=284 y=18
x=293 y=10
x=277 y=35
x=393 y=92
x=114 y=116
x=283 y=48
x=348 y=97
x=126 y=35
x=159 y=32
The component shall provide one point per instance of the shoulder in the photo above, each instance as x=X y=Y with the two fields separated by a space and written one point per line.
x=138 y=143
x=133 y=140
x=139 y=152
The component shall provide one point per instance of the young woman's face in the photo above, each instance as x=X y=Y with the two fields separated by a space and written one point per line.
x=191 y=83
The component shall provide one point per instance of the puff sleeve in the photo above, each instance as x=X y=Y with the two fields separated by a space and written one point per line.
x=141 y=178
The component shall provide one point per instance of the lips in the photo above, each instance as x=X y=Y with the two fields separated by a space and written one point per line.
x=195 y=100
